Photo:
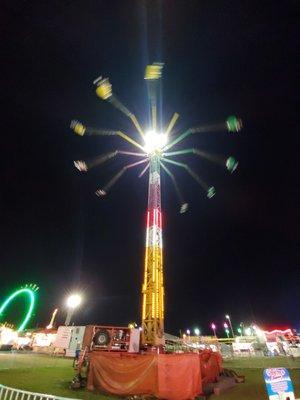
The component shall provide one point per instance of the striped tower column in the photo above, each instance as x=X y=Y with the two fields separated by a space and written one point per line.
x=153 y=285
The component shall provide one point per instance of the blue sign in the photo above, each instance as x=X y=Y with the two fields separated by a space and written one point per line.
x=279 y=384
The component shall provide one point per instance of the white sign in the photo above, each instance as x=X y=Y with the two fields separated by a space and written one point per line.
x=63 y=337
x=134 y=343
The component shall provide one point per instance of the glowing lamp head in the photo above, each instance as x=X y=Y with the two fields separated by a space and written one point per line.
x=197 y=331
x=248 y=331
x=225 y=325
x=74 y=300
x=154 y=142
x=213 y=326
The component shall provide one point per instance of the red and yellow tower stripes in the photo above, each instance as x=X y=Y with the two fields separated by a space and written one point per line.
x=153 y=285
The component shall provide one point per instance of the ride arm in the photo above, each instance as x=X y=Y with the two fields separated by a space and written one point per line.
x=230 y=162
x=210 y=190
x=232 y=124
x=82 y=130
x=83 y=166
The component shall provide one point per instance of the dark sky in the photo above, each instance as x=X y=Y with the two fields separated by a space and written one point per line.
x=237 y=253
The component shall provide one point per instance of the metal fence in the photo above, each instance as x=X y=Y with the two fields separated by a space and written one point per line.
x=8 y=393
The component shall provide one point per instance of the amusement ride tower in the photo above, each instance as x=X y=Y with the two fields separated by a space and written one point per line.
x=153 y=286
x=154 y=152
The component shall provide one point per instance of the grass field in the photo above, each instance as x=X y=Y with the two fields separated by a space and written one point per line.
x=51 y=375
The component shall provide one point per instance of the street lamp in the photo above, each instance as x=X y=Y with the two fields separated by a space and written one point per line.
x=73 y=301
x=197 y=331
x=213 y=327
x=188 y=332
x=230 y=324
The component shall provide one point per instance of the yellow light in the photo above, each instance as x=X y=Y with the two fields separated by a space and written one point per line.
x=78 y=128
x=104 y=89
x=153 y=71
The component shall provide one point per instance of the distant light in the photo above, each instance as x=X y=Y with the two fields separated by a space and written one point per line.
x=225 y=325
x=213 y=326
x=188 y=332
x=239 y=331
x=227 y=316
x=74 y=300
x=8 y=336
x=280 y=331
x=248 y=331
x=154 y=141
x=197 y=331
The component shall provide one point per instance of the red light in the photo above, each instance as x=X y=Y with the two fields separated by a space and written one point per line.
x=282 y=332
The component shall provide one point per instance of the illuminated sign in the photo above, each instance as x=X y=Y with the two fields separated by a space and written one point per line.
x=279 y=384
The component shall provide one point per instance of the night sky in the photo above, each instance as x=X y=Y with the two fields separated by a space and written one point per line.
x=237 y=253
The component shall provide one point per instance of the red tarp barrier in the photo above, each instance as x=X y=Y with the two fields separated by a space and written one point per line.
x=210 y=365
x=166 y=376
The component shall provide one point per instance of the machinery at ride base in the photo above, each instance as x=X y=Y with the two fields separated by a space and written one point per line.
x=114 y=360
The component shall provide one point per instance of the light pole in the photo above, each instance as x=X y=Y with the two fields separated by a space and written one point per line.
x=230 y=324
x=213 y=327
x=73 y=301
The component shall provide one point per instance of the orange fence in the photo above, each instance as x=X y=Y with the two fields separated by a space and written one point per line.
x=166 y=376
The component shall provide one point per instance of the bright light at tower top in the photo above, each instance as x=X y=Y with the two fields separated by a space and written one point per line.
x=74 y=300
x=154 y=142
